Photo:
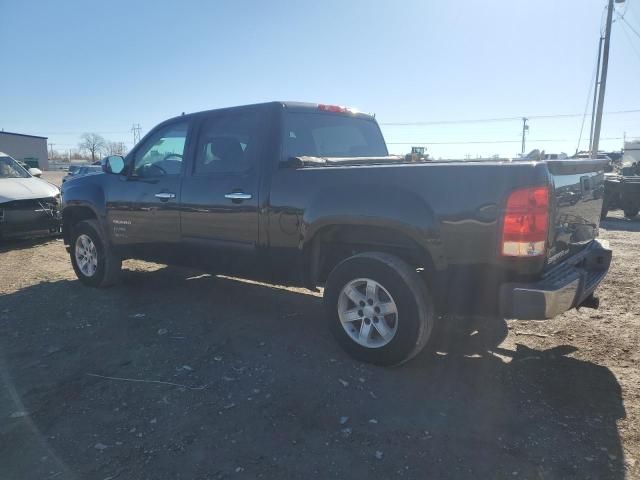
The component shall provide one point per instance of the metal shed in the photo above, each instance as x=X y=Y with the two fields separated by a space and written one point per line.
x=27 y=148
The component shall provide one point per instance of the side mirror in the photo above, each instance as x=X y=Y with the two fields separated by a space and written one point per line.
x=36 y=172
x=113 y=164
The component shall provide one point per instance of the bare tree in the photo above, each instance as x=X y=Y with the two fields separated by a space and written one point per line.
x=92 y=143
x=116 y=148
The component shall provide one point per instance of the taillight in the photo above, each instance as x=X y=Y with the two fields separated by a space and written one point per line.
x=526 y=222
x=332 y=108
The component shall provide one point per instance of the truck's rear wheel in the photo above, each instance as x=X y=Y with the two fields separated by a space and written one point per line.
x=91 y=256
x=605 y=209
x=378 y=308
x=630 y=212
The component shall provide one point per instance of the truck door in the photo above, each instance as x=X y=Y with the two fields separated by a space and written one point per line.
x=143 y=206
x=220 y=195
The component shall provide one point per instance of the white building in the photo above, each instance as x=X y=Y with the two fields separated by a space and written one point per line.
x=631 y=152
x=27 y=148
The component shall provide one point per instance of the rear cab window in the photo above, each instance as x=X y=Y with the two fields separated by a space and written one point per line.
x=331 y=135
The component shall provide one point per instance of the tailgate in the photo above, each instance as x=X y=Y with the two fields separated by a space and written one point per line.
x=578 y=188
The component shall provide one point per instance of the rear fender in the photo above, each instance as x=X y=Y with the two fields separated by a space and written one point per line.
x=388 y=208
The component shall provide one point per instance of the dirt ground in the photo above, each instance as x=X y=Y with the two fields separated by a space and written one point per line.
x=178 y=375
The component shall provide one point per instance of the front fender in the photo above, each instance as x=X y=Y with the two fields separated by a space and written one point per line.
x=85 y=193
x=393 y=208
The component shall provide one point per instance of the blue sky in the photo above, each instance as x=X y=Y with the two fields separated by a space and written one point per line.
x=75 y=66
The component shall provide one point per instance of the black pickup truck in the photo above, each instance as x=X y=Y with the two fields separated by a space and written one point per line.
x=307 y=194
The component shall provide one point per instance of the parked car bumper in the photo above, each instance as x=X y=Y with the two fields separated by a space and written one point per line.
x=22 y=218
x=568 y=285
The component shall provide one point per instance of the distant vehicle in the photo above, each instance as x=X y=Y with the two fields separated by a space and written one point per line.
x=307 y=194
x=600 y=156
x=542 y=155
x=622 y=191
x=417 y=154
x=79 y=171
x=555 y=156
x=28 y=205
x=611 y=159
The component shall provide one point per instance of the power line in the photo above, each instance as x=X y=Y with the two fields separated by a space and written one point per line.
x=81 y=132
x=391 y=124
x=624 y=29
x=633 y=47
x=629 y=25
x=479 y=142
x=499 y=119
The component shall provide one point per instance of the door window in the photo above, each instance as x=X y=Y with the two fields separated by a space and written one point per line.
x=227 y=144
x=161 y=154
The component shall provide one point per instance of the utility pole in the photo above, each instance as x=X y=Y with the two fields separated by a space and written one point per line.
x=136 y=133
x=595 y=96
x=525 y=129
x=51 y=150
x=603 y=80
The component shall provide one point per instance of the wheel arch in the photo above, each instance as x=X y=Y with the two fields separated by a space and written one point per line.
x=73 y=214
x=336 y=241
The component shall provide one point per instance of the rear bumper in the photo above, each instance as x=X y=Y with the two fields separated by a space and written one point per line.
x=564 y=287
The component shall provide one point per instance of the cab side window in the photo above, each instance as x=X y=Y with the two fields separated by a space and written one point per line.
x=162 y=153
x=228 y=144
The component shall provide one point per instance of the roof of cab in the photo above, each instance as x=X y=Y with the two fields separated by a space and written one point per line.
x=291 y=106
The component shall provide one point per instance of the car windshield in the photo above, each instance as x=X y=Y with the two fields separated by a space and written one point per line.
x=9 y=168
x=327 y=135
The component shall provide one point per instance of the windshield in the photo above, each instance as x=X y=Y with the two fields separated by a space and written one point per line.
x=326 y=135
x=9 y=168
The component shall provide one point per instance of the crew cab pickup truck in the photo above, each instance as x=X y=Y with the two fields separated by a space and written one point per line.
x=307 y=194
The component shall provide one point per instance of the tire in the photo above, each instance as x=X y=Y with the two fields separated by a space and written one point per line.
x=605 y=209
x=107 y=266
x=630 y=212
x=407 y=331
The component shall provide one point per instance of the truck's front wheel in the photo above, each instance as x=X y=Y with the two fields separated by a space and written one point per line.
x=92 y=259
x=378 y=308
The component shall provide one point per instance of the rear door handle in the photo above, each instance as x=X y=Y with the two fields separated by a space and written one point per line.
x=238 y=196
x=164 y=196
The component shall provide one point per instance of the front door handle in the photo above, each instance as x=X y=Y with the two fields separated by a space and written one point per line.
x=238 y=196
x=164 y=196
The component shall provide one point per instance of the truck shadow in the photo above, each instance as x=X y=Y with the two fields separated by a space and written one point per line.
x=470 y=409
x=621 y=224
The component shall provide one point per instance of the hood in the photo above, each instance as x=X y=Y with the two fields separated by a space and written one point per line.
x=25 y=188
